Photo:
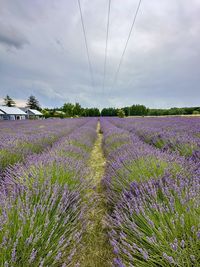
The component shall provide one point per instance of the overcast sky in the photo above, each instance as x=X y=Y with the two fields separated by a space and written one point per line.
x=42 y=52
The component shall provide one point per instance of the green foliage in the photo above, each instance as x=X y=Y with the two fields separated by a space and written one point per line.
x=109 y=112
x=134 y=110
x=68 y=109
x=138 y=110
x=174 y=111
x=121 y=113
x=33 y=103
x=9 y=102
x=46 y=113
x=91 y=112
x=76 y=110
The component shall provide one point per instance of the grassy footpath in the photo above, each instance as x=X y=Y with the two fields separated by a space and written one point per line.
x=96 y=248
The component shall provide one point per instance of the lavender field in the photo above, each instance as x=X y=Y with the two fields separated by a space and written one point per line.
x=100 y=192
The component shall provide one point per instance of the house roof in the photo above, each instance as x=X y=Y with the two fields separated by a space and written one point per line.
x=35 y=112
x=23 y=109
x=1 y=113
x=11 y=110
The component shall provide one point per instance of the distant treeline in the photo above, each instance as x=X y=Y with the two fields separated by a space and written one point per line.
x=174 y=111
x=75 y=110
x=71 y=110
x=134 y=110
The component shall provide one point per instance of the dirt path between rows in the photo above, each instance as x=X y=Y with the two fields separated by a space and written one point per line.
x=97 y=251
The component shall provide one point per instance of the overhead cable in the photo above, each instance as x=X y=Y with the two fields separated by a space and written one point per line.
x=106 y=47
x=86 y=45
x=126 y=44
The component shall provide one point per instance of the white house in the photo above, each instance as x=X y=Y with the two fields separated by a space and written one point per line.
x=1 y=115
x=33 y=114
x=12 y=113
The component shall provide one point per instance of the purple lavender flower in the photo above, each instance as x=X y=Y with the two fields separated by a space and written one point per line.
x=182 y=243
x=33 y=255
x=174 y=245
x=168 y=258
x=198 y=235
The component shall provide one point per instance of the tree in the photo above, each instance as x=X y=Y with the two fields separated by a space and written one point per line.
x=78 y=109
x=33 y=103
x=109 y=112
x=68 y=108
x=9 y=102
x=92 y=112
x=46 y=113
x=121 y=113
x=127 y=111
x=138 y=110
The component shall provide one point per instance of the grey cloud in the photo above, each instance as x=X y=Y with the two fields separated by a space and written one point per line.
x=160 y=67
x=12 y=37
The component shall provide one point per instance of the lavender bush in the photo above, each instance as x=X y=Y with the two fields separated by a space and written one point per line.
x=174 y=134
x=40 y=227
x=157 y=223
x=133 y=160
x=41 y=204
x=19 y=139
x=154 y=202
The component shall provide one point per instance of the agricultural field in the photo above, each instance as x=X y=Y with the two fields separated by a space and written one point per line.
x=100 y=192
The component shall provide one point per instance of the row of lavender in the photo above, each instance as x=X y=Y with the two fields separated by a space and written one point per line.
x=41 y=203
x=178 y=134
x=154 y=201
x=21 y=138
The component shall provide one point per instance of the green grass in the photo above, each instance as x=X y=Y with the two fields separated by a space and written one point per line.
x=96 y=250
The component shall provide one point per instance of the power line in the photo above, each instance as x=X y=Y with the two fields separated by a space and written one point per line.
x=126 y=44
x=86 y=45
x=106 y=47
